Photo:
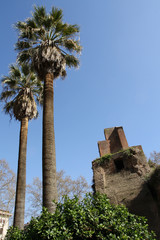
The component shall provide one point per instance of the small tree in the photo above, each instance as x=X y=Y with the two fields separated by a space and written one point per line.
x=7 y=186
x=65 y=186
x=92 y=218
x=154 y=158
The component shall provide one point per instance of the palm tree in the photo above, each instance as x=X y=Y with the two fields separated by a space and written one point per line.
x=49 y=46
x=20 y=88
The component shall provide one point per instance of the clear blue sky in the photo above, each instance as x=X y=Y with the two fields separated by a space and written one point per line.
x=118 y=83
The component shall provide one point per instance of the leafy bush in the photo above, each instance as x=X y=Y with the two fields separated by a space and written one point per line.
x=92 y=218
x=14 y=233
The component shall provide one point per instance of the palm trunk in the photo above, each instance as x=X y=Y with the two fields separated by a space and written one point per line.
x=49 y=158
x=21 y=177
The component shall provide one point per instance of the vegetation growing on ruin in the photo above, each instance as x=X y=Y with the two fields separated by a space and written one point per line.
x=103 y=159
x=129 y=152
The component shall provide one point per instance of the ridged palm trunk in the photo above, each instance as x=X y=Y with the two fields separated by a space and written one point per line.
x=49 y=158
x=21 y=177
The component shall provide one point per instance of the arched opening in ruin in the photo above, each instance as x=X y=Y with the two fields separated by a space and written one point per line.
x=119 y=164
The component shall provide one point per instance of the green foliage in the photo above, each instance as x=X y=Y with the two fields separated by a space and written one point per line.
x=92 y=218
x=129 y=152
x=103 y=159
x=14 y=233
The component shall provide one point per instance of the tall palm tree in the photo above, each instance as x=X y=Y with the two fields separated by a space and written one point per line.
x=20 y=89
x=49 y=46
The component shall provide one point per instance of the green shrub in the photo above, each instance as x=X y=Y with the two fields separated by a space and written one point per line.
x=92 y=218
x=14 y=233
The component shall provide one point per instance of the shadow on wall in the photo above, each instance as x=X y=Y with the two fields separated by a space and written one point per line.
x=145 y=204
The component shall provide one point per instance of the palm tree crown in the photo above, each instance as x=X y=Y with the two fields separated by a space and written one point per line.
x=47 y=42
x=19 y=90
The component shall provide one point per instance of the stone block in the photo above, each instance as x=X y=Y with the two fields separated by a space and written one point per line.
x=103 y=147
x=117 y=139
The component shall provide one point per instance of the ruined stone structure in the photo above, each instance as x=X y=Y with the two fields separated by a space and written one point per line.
x=4 y=222
x=121 y=173
x=115 y=141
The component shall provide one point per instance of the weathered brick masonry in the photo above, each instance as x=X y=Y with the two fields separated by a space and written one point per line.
x=121 y=173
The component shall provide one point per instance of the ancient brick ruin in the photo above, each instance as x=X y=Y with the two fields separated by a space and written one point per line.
x=115 y=141
x=122 y=173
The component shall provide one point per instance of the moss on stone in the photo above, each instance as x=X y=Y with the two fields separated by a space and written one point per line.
x=103 y=159
x=129 y=152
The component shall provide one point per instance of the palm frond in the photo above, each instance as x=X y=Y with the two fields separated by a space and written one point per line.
x=47 y=23
x=39 y=15
x=58 y=28
x=72 y=61
x=25 y=69
x=70 y=30
x=25 y=29
x=21 y=26
x=8 y=80
x=8 y=108
x=72 y=45
x=14 y=72
x=56 y=14
x=7 y=94
x=31 y=23
x=23 y=57
x=21 y=45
